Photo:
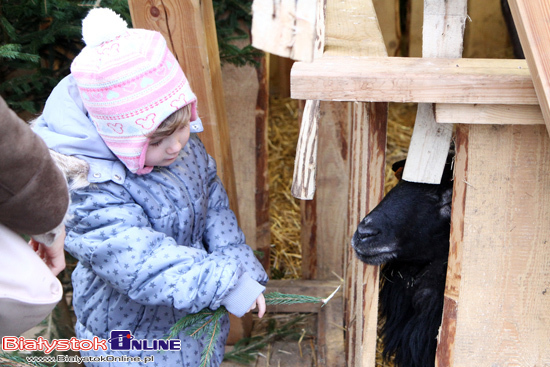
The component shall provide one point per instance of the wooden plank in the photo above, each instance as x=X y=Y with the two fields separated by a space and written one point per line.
x=324 y=219
x=445 y=346
x=531 y=20
x=194 y=44
x=367 y=155
x=352 y=29
x=428 y=148
x=500 y=291
x=407 y=79
x=189 y=41
x=285 y=28
x=305 y=166
x=488 y=114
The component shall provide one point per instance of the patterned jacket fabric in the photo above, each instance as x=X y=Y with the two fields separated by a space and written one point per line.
x=151 y=248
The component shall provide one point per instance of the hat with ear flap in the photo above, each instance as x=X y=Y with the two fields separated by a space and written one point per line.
x=129 y=82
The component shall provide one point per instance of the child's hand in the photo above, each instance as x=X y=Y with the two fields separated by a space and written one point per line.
x=53 y=255
x=260 y=302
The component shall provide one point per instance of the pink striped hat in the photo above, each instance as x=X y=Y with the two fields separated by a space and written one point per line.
x=129 y=82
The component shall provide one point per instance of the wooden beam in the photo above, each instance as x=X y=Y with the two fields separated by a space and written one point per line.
x=498 y=114
x=531 y=20
x=285 y=28
x=420 y=80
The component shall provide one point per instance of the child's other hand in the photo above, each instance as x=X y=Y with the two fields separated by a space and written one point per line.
x=53 y=255
x=260 y=302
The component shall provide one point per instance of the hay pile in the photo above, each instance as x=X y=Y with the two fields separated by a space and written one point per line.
x=283 y=130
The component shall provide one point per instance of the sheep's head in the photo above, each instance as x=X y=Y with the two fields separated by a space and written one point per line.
x=409 y=224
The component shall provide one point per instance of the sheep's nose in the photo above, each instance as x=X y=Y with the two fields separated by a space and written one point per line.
x=368 y=231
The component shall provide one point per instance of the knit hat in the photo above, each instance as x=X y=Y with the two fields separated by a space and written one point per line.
x=129 y=82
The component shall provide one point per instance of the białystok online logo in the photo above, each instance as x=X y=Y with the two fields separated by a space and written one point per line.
x=119 y=340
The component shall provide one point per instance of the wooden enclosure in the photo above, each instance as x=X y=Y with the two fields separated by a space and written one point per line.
x=496 y=309
x=497 y=300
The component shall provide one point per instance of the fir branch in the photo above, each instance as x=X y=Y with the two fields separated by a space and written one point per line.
x=277 y=298
x=206 y=354
x=206 y=322
x=13 y=51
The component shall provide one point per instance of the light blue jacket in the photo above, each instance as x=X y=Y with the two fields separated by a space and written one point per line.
x=151 y=248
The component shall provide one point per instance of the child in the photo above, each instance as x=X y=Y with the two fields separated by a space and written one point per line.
x=150 y=226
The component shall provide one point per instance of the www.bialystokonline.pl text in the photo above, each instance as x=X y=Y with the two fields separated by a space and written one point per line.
x=86 y=359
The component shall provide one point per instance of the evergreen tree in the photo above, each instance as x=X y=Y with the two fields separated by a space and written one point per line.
x=39 y=39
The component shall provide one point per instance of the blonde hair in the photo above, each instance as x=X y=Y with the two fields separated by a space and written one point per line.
x=173 y=122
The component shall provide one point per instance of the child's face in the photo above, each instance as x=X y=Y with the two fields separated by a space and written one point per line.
x=163 y=151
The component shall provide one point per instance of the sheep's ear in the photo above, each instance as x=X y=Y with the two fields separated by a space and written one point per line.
x=397 y=168
x=397 y=165
x=399 y=173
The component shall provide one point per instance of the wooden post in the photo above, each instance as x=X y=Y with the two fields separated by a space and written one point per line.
x=367 y=123
x=496 y=295
x=443 y=35
x=367 y=157
x=531 y=19
x=188 y=29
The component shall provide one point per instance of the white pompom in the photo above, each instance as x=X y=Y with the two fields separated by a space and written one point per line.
x=101 y=25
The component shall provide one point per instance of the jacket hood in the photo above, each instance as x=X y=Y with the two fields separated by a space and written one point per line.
x=65 y=127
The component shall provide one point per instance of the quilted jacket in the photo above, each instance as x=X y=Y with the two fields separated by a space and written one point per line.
x=151 y=248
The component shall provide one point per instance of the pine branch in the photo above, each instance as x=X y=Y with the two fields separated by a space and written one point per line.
x=206 y=322
x=276 y=298
x=13 y=51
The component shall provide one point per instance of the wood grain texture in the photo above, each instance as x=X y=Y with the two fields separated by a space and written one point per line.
x=502 y=290
x=352 y=30
x=285 y=28
x=305 y=165
x=423 y=80
x=367 y=154
x=531 y=20
x=499 y=114
x=324 y=219
x=192 y=43
x=428 y=149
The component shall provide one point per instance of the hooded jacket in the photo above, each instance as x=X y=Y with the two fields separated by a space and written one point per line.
x=151 y=248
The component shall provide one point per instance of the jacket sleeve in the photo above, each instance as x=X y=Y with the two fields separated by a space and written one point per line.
x=33 y=192
x=223 y=234
x=112 y=237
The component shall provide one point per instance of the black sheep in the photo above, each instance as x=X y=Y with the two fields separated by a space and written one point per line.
x=409 y=233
